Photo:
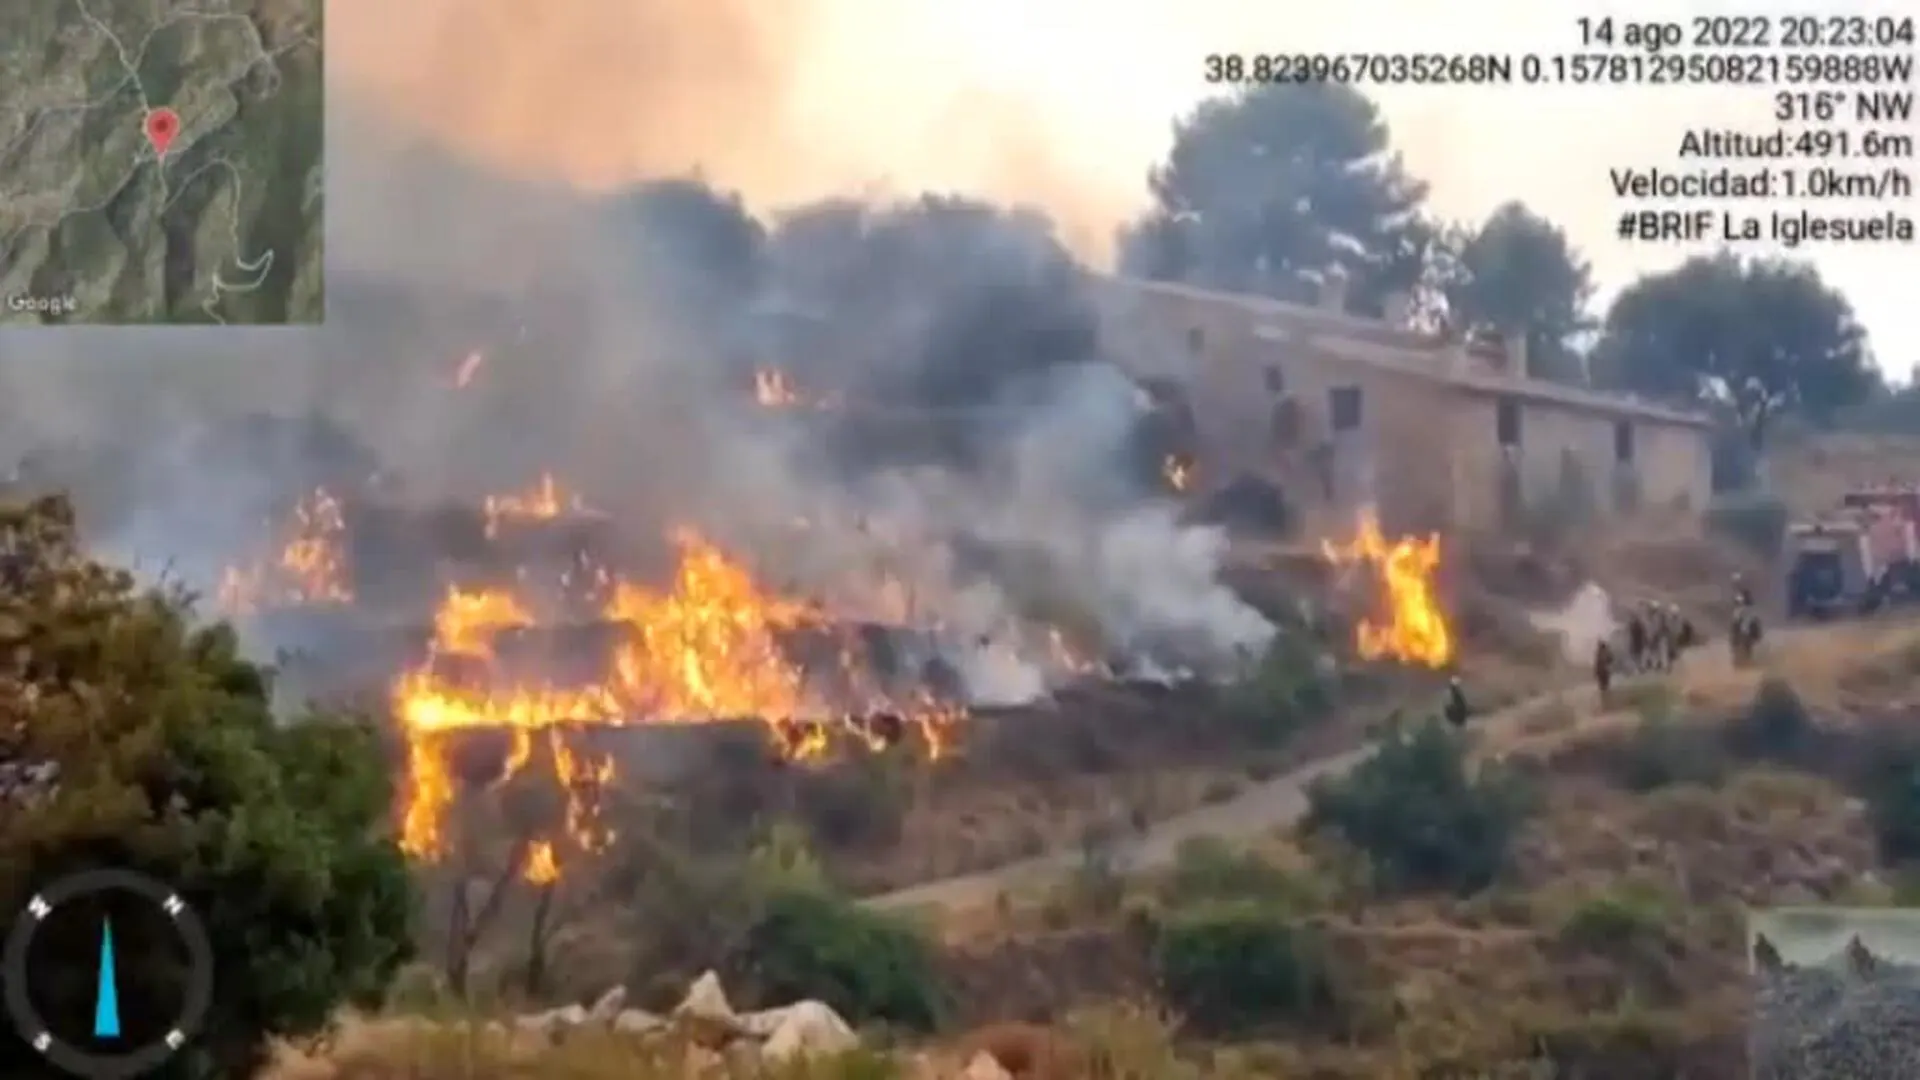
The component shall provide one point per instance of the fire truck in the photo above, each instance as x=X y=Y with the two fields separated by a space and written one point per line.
x=1862 y=557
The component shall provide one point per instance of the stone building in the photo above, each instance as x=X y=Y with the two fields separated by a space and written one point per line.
x=1340 y=411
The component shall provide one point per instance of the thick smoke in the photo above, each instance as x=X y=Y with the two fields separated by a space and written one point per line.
x=957 y=435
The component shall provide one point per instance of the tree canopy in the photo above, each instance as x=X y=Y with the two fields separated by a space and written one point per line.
x=1265 y=191
x=1757 y=336
x=165 y=758
x=1519 y=274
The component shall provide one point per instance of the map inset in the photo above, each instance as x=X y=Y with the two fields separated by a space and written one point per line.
x=161 y=161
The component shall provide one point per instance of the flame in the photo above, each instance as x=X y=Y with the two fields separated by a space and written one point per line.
x=542 y=867
x=1415 y=630
x=707 y=647
x=545 y=501
x=704 y=647
x=772 y=389
x=309 y=569
x=469 y=367
x=1178 y=472
x=466 y=621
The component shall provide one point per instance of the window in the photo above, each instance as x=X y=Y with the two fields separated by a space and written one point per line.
x=1276 y=380
x=1622 y=442
x=1506 y=422
x=1343 y=402
x=1195 y=340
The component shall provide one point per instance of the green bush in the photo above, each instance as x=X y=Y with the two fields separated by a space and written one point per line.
x=1420 y=814
x=1891 y=786
x=1233 y=967
x=1661 y=753
x=171 y=763
x=868 y=965
x=1775 y=726
x=1207 y=870
x=1285 y=692
x=1757 y=522
x=1617 y=920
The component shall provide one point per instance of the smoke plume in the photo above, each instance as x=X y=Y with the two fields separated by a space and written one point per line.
x=952 y=431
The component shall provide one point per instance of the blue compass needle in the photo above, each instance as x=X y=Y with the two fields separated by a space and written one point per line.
x=106 y=994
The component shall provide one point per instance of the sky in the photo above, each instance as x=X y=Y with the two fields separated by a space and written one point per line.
x=1061 y=104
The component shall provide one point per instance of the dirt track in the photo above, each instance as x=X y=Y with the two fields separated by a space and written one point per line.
x=1276 y=803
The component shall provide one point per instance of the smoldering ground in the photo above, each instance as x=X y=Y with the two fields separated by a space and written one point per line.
x=956 y=431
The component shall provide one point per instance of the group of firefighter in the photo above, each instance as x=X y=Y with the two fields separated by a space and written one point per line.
x=1656 y=635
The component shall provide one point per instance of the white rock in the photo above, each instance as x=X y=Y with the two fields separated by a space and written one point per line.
x=765 y=1022
x=608 y=1006
x=552 y=1020
x=809 y=1028
x=985 y=1066
x=637 y=1022
x=707 y=999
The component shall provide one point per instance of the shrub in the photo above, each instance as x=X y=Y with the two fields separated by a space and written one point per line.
x=1420 y=815
x=1233 y=967
x=1891 y=787
x=1758 y=522
x=1615 y=921
x=854 y=805
x=1775 y=726
x=1661 y=753
x=1286 y=691
x=170 y=762
x=1206 y=869
x=812 y=943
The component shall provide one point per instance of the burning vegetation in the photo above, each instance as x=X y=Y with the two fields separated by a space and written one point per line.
x=1178 y=471
x=596 y=647
x=1407 y=624
x=533 y=665
x=308 y=569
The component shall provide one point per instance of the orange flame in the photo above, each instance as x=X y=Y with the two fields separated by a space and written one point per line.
x=469 y=367
x=544 y=501
x=772 y=389
x=704 y=648
x=309 y=569
x=1414 y=629
x=1178 y=472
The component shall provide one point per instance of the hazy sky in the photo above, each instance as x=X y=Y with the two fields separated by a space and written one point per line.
x=1061 y=103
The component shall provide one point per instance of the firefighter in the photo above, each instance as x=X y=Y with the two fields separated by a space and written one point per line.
x=1673 y=620
x=1657 y=634
x=1742 y=596
x=1637 y=640
x=1456 y=711
x=1743 y=635
x=1603 y=669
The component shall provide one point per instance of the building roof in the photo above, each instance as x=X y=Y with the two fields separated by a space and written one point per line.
x=1404 y=351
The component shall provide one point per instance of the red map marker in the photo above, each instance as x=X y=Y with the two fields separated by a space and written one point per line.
x=162 y=125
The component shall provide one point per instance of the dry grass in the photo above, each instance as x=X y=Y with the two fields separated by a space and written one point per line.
x=402 y=1049
x=1832 y=667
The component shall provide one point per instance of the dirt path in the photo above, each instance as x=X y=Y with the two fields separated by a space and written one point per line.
x=1272 y=804
x=1281 y=801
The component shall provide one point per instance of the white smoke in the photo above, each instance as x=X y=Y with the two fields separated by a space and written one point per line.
x=1585 y=620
